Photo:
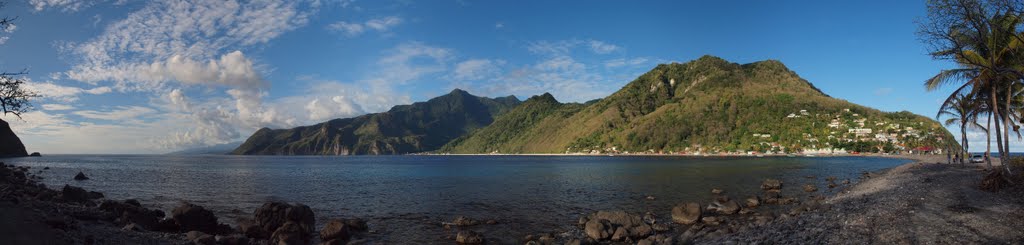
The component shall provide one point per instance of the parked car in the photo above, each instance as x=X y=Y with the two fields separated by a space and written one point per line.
x=977 y=158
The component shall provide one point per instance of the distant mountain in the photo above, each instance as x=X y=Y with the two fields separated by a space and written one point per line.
x=707 y=105
x=10 y=144
x=220 y=149
x=420 y=127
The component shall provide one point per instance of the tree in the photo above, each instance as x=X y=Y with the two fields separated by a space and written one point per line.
x=963 y=112
x=14 y=98
x=981 y=37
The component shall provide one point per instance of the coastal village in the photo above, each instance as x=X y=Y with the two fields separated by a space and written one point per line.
x=825 y=133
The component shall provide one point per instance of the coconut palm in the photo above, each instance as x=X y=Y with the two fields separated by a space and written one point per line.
x=987 y=56
x=963 y=111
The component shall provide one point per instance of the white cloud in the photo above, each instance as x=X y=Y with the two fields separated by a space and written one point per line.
x=232 y=69
x=57 y=107
x=62 y=5
x=477 y=69
x=167 y=31
x=499 y=25
x=564 y=47
x=602 y=47
x=412 y=60
x=353 y=29
x=57 y=92
x=615 y=63
x=122 y=113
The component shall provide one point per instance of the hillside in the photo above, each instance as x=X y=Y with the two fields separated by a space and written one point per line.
x=708 y=105
x=422 y=126
x=10 y=144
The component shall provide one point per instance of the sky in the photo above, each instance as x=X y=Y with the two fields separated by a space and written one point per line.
x=154 y=76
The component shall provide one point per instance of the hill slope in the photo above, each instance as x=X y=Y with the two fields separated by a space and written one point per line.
x=10 y=144
x=422 y=126
x=706 y=105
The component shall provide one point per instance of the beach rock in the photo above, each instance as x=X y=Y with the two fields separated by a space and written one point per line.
x=198 y=237
x=642 y=230
x=81 y=176
x=191 y=217
x=74 y=194
x=620 y=234
x=771 y=184
x=846 y=181
x=273 y=215
x=464 y=221
x=597 y=229
x=46 y=168
x=335 y=229
x=830 y=178
x=726 y=207
x=250 y=228
x=810 y=188
x=686 y=213
x=356 y=224
x=618 y=218
x=469 y=237
x=716 y=191
x=832 y=185
x=291 y=233
x=35 y=154
x=753 y=202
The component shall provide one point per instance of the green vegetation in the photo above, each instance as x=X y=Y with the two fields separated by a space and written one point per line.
x=708 y=105
x=422 y=126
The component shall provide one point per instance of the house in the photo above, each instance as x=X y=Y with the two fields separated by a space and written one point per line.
x=860 y=132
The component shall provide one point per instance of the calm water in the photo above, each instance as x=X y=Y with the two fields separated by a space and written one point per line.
x=405 y=198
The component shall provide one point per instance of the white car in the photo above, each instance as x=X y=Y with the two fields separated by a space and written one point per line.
x=977 y=158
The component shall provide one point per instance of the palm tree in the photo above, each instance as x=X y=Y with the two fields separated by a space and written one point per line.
x=987 y=55
x=963 y=112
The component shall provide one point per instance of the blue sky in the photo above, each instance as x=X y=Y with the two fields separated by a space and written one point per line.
x=132 y=76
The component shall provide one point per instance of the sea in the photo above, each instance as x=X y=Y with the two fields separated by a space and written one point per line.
x=405 y=199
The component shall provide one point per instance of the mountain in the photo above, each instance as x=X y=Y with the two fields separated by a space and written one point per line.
x=10 y=144
x=419 y=127
x=219 y=149
x=707 y=105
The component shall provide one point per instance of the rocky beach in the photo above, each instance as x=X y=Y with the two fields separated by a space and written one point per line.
x=920 y=202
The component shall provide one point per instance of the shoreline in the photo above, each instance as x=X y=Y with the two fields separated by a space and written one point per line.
x=777 y=218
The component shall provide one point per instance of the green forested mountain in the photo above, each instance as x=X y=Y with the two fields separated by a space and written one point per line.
x=708 y=105
x=422 y=126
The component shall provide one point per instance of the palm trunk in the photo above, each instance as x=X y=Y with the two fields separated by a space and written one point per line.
x=963 y=142
x=996 y=116
x=988 y=141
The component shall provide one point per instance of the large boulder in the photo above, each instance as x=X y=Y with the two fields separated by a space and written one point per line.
x=686 y=213
x=272 y=216
x=291 y=233
x=75 y=194
x=597 y=229
x=200 y=238
x=724 y=206
x=335 y=229
x=81 y=176
x=190 y=217
x=753 y=202
x=632 y=225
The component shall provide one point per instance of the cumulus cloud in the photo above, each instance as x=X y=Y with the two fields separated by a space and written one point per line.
x=353 y=29
x=179 y=32
x=232 y=69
